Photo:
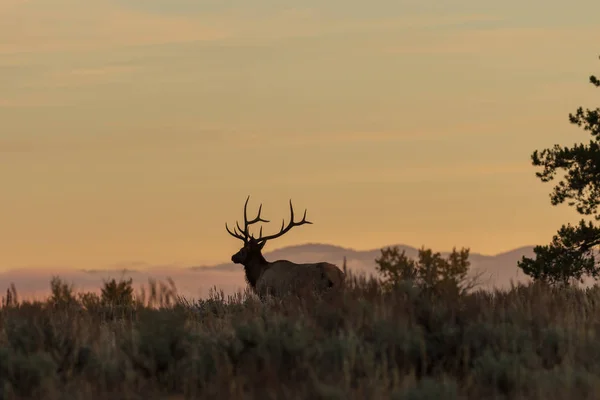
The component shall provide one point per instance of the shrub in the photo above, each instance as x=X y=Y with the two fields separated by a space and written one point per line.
x=430 y=272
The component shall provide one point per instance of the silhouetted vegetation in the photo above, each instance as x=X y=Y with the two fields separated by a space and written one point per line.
x=430 y=272
x=371 y=340
x=572 y=253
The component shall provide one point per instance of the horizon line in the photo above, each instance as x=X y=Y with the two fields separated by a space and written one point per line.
x=149 y=266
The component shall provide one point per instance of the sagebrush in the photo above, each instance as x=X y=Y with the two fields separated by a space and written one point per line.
x=366 y=342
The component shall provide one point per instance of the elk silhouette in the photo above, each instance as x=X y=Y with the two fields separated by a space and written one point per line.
x=280 y=277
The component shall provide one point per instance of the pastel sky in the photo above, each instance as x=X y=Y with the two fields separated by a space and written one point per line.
x=132 y=130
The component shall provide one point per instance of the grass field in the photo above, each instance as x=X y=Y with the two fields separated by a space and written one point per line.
x=531 y=342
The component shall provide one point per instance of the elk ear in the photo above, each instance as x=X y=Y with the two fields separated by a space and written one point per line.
x=261 y=245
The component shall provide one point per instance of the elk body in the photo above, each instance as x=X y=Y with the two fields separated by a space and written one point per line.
x=280 y=277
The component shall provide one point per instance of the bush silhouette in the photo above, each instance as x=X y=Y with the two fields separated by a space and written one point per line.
x=115 y=293
x=430 y=271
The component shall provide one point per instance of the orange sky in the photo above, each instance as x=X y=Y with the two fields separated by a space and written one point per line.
x=133 y=130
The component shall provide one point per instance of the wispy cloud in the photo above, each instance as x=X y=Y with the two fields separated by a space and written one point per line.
x=81 y=77
x=31 y=100
x=108 y=70
x=95 y=25
x=309 y=23
x=493 y=40
x=104 y=25
x=336 y=138
x=15 y=146
x=400 y=174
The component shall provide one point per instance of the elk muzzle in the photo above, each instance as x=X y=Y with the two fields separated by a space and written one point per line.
x=237 y=258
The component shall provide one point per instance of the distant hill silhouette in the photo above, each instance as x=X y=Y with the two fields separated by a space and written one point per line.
x=498 y=270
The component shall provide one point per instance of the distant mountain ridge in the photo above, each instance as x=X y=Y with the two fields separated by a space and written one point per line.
x=498 y=270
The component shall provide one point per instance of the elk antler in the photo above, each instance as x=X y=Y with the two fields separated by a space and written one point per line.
x=283 y=230
x=244 y=234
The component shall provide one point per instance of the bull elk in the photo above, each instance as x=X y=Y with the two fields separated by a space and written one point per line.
x=280 y=277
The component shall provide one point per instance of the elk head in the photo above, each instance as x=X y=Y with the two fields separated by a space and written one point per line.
x=251 y=251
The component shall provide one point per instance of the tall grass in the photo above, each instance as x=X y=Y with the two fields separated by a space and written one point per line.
x=530 y=342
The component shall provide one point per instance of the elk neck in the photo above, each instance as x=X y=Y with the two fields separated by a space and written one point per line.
x=254 y=266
